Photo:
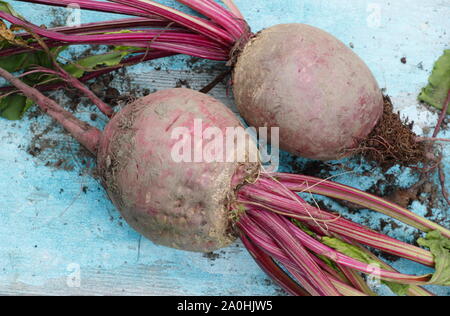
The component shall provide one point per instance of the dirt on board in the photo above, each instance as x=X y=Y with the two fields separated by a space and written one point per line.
x=52 y=146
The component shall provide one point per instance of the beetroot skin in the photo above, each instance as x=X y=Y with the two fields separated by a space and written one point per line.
x=303 y=80
x=179 y=205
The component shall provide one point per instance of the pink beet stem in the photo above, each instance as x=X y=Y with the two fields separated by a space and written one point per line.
x=193 y=23
x=107 y=26
x=442 y=116
x=84 y=133
x=233 y=8
x=296 y=253
x=177 y=42
x=336 y=224
x=277 y=221
x=100 y=6
x=267 y=243
x=270 y=206
x=74 y=82
x=102 y=106
x=222 y=28
x=150 y=8
x=273 y=270
x=313 y=185
x=217 y=14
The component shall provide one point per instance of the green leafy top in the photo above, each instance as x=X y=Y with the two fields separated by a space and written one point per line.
x=358 y=254
x=436 y=92
x=440 y=248
x=348 y=250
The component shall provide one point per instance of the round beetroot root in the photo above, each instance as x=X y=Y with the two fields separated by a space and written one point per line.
x=303 y=80
x=179 y=205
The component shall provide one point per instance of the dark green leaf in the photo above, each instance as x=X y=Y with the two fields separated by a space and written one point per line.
x=304 y=228
x=348 y=250
x=440 y=248
x=438 y=87
x=333 y=265
x=6 y=7
x=24 y=61
x=14 y=106
x=399 y=289
x=358 y=254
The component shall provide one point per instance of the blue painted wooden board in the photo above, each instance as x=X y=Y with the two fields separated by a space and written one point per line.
x=59 y=234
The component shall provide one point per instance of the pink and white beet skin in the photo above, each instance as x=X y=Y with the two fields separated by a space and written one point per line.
x=317 y=90
x=179 y=205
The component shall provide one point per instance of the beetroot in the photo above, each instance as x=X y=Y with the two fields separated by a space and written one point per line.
x=179 y=205
x=317 y=90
